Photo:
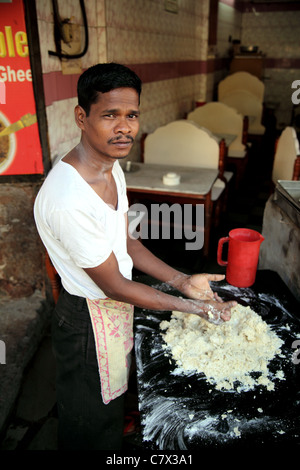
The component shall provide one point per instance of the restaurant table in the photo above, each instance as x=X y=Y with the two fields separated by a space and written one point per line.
x=184 y=412
x=145 y=181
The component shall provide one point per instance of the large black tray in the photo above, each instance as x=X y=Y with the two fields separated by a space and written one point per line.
x=184 y=412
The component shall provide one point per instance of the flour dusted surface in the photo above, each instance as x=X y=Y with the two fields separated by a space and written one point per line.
x=227 y=354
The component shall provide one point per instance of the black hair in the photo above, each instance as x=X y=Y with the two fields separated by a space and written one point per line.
x=102 y=78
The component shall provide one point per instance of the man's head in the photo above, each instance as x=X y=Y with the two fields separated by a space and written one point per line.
x=102 y=78
x=108 y=110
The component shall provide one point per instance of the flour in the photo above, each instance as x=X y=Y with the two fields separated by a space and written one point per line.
x=227 y=354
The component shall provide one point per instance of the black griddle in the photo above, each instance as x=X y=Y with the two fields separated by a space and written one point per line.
x=184 y=412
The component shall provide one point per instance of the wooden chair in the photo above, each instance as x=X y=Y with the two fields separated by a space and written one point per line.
x=54 y=278
x=184 y=143
x=286 y=165
x=248 y=105
x=222 y=119
x=241 y=81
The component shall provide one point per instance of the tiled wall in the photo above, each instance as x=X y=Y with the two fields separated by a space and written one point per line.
x=228 y=28
x=275 y=29
x=170 y=51
x=277 y=35
x=130 y=32
x=60 y=90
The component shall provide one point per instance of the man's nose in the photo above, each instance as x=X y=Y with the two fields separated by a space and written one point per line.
x=123 y=126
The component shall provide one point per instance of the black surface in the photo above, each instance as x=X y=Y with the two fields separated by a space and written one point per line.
x=184 y=412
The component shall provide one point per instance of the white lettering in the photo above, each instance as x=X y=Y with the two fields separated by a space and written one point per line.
x=2 y=352
x=117 y=460
x=7 y=74
x=296 y=94
x=183 y=219
x=20 y=75
x=198 y=233
x=136 y=217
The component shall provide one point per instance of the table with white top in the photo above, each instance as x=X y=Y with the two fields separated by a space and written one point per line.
x=145 y=181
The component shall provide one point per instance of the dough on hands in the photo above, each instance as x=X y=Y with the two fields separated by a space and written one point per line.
x=228 y=353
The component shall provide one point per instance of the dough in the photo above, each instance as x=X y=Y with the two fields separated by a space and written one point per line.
x=227 y=353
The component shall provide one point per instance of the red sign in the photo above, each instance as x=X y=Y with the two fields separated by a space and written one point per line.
x=20 y=148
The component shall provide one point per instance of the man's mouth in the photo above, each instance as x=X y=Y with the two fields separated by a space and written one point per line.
x=121 y=141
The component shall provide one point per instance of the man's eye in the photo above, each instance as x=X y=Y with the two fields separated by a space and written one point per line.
x=109 y=115
x=133 y=116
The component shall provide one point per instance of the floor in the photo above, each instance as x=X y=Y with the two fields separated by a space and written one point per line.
x=33 y=424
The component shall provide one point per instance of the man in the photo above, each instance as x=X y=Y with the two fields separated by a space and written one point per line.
x=81 y=215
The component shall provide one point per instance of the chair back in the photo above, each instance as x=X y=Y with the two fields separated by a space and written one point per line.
x=182 y=143
x=247 y=105
x=241 y=81
x=286 y=153
x=220 y=118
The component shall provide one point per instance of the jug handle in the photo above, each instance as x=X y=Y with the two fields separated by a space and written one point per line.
x=219 y=252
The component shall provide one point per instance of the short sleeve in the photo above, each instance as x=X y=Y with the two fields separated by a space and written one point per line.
x=83 y=237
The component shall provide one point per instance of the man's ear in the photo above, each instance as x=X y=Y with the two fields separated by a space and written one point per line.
x=80 y=116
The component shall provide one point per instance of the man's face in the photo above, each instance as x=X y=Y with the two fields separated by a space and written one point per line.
x=112 y=124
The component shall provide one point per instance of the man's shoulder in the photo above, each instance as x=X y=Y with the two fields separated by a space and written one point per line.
x=62 y=184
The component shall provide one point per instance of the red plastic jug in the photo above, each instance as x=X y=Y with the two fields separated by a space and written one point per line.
x=242 y=259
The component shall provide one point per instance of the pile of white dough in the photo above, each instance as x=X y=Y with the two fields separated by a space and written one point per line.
x=227 y=353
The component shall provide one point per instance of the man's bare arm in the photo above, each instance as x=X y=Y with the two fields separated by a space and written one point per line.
x=108 y=277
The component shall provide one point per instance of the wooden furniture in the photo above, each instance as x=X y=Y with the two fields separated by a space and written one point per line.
x=223 y=120
x=286 y=164
x=248 y=105
x=54 y=278
x=184 y=142
x=251 y=63
x=195 y=187
x=241 y=81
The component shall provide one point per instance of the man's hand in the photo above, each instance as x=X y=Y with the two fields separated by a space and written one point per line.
x=197 y=286
x=217 y=312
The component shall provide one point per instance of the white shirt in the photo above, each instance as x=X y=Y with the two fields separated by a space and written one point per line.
x=79 y=230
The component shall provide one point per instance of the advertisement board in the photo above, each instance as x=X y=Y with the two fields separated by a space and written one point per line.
x=20 y=147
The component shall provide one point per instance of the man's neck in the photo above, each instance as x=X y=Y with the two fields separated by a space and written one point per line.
x=88 y=164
